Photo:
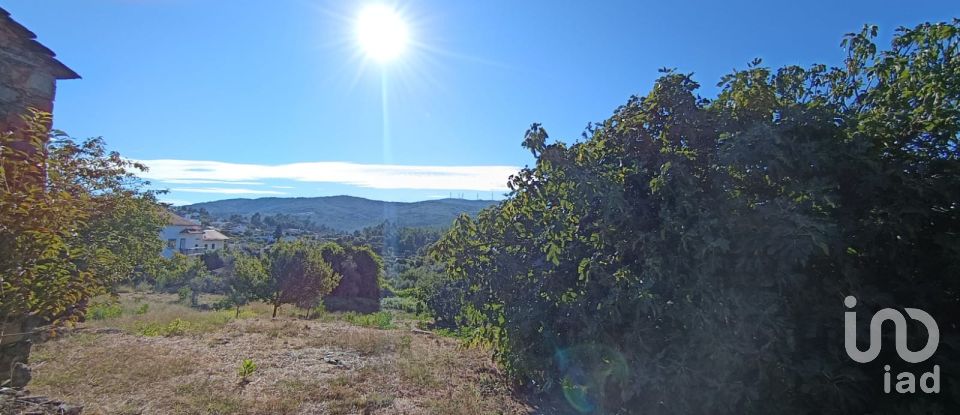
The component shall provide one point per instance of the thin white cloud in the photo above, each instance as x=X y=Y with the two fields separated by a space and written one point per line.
x=375 y=176
x=283 y=187
x=175 y=202
x=227 y=191
x=198 y=181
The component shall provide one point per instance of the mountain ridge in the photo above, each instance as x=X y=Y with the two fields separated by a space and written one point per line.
x=349 y=213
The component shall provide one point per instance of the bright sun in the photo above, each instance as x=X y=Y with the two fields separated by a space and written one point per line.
x=382 y=33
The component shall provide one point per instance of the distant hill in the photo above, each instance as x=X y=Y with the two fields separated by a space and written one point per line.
x=350 y=213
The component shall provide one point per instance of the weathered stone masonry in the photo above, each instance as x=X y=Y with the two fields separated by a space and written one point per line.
x=28 y=75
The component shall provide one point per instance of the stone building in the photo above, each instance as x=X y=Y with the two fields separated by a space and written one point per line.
x=28 y=76
x=28 y=73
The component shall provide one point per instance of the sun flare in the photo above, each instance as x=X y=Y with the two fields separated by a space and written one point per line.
x=382 y=33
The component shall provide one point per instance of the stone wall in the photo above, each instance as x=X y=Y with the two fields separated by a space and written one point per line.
x=28 y=76
x=15 y=342
x=28 y=73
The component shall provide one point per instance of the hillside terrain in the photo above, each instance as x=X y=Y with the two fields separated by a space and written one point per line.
x=348 y=213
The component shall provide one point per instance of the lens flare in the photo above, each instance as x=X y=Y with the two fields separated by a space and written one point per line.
x=589 y=372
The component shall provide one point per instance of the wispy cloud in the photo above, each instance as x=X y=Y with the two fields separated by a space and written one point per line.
x=376 y=176
x=197 y=181
x=176 y=202
x=227 y=191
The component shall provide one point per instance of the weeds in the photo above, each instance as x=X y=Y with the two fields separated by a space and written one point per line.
x=103 y=311
x=177 y=327
x=142 y=309
x=247 y=367
x=380 y=320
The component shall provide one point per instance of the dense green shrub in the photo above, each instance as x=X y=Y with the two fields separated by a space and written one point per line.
x=692 y=256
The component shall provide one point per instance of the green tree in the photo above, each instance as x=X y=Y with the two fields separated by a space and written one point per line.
x=74 y=222
x=248 y=281
x=85 y=227
x=298 y=274
x=692 y=256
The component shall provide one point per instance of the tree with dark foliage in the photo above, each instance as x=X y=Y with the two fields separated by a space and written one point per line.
x=692 y=256
x=298 y=274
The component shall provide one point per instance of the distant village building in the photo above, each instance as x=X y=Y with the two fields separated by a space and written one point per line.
x=185 y=236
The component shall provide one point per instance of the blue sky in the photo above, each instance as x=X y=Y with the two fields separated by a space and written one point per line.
x=242 y=98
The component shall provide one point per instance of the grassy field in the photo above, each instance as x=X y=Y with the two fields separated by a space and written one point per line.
x=147 y=354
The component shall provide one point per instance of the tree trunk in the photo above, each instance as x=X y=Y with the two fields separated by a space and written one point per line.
x=275 y=307
x=238 y=311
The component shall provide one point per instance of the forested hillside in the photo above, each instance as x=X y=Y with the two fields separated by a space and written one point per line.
x=348 y=213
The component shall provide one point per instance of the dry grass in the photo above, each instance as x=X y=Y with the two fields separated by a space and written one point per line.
x=304 y=366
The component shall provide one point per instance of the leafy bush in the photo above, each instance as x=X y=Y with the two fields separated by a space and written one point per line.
x=104 y=311
x=142 y=309
x=692 y=256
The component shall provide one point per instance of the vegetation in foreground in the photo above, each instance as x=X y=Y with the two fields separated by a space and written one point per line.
x=688 y=256
x=692 y=255
x=172 y=358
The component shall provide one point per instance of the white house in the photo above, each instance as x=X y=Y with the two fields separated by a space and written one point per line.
x=187 y=237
